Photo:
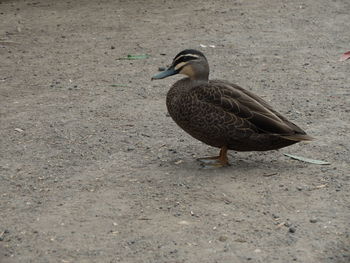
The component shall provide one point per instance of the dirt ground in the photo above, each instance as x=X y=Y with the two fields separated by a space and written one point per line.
x=92 y=169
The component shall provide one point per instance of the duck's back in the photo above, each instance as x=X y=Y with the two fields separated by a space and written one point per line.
x=220 y=113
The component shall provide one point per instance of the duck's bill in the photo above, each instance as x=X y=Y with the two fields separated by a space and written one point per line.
x=165 y=73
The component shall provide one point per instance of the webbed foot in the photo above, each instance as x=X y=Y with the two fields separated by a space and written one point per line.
x=216 y=161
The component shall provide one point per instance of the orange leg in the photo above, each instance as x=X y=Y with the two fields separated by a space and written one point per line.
x=216 y=161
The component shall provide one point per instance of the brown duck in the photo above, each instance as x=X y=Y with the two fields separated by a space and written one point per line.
x=222 y=114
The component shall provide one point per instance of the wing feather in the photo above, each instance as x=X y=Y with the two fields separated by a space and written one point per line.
x=252 y=111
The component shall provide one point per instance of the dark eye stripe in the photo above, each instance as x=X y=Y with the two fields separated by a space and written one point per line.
x=184 y=59
x=189 y=52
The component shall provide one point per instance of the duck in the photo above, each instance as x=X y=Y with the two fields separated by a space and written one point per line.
x=222 y=114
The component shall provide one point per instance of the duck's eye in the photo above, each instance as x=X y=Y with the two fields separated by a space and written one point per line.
x=185 y=58
x=181 y=61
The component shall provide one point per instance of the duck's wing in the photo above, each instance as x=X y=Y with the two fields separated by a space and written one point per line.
x=249 y=108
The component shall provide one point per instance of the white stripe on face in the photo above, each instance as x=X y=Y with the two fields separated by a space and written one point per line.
x=178 y=66
x=181 y=64
x=187 y=55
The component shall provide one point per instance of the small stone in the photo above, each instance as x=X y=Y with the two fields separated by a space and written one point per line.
x=112 y=47
x=161 y=68
x=313 y=220
x=292 y=230
x=223 y=238
x=183 y=222
x=275 y=216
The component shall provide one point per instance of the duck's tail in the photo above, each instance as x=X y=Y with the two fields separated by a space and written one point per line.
x=298 y=137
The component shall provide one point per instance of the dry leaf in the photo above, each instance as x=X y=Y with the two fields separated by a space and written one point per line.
x=19 y=130
x=307 y=160
x=345 y=56
x=321 y=186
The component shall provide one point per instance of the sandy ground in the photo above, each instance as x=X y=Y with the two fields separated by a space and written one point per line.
x=93 y=170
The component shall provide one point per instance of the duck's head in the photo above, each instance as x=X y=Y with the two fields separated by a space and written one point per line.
x=189 y=62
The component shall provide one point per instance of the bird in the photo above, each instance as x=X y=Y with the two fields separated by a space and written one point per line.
x=222 y=114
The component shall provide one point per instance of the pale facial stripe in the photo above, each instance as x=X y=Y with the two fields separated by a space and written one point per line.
x=178 y=66
x=181 y=64
x=187 y=55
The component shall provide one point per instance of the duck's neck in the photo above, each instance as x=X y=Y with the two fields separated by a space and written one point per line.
x=199 y=72
x=200 y=77
x=197 y=82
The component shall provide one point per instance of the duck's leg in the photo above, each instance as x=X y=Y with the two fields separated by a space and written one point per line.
x=216 y=161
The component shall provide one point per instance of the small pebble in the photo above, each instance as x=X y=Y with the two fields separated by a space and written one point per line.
x=275 y=216
x=292 y=230
x=313 y=220
x=161 y=68
x=223 y=238
x=112 y=47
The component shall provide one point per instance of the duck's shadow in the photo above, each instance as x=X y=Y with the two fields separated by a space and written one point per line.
x=237 y=166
